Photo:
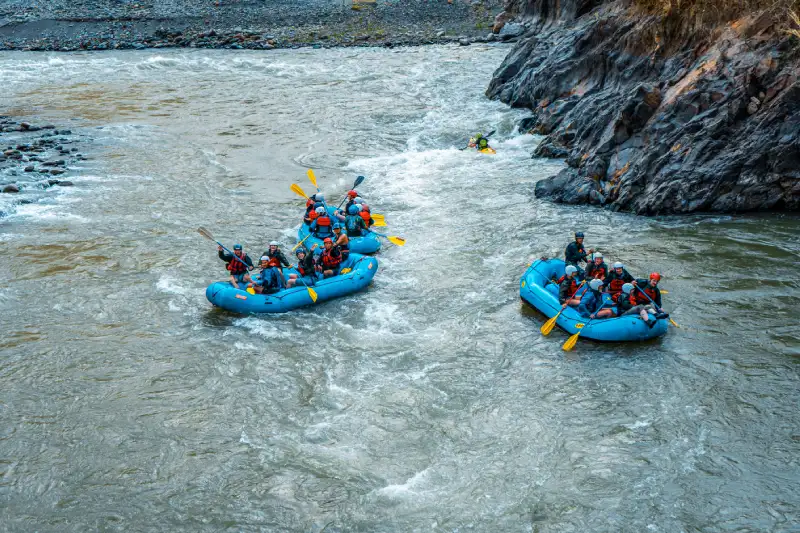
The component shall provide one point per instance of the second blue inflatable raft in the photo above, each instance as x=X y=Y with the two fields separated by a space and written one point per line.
x=537 y=288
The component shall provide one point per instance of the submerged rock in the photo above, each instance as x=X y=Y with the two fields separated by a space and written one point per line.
x=656 y=126
x=11 y=188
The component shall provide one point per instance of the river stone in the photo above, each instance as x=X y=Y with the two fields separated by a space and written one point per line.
x=11 y=188
x=511 y=30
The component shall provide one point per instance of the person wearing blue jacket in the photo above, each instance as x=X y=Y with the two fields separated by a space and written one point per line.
x=271 y=278
x=592 y=300
x=354 y=223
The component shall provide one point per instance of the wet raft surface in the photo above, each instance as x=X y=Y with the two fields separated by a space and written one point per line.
x=428 y=402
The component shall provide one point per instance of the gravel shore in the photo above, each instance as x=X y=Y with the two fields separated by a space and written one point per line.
x=70 y=25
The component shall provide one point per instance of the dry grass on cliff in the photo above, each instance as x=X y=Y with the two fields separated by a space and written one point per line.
x=685 y=17
x=685 y=21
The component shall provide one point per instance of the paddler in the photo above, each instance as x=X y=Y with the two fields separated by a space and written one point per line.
x=321 y=226
x=271 y=278
x=238 y=266
x=341 y=240
x=354 y=223
x=274 y=250
x=596 y=269
x=617 y=277
x=575 y=252
x=330 y=259
x=627 y=305
x=306 y=268
x=366 y=214
x=650 y=288
x=568 y=288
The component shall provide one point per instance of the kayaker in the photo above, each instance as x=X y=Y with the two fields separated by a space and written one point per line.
x=568 y=288
x=474 y=140
x=617 y=277
x=353 y=223
x=321 y=226
x=271 y=278
x=575 y=252
x=650 y=287
x=275 y=251
x=482 y=144
x=366 y=215
x=235 y=267
x=592 y=299
x=330 y=259
x=597 y=269
x=306 y=268
x=342 y=240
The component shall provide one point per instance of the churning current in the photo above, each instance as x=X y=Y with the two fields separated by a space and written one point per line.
x=429 y=402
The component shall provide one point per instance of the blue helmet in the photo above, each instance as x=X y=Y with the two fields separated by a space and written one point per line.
x=579 y=235
x=336 y=225
x=301 y=250
x=237 y=246
x=353 y=210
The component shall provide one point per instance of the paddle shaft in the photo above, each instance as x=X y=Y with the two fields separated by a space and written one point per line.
x=234 y=256
x=356 y=183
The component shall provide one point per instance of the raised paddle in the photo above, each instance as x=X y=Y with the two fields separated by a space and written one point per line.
x=359 y=181
x=548 y=326
x=207 y=234
x=399 y=241
x=660 y=310
x=485 y=137
x=298 y=190
x=296 y=246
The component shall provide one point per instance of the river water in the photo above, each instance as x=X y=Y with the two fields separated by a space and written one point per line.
x=429 y=402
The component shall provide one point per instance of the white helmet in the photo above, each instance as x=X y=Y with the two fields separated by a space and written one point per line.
x=570 y=270
x=597 y=255
x=265 y=258
x=320 y=210
x=319 y=197
x=627 y=288
x=274 y=243
x=595 y=284
x=618 y=265
x=357 y=200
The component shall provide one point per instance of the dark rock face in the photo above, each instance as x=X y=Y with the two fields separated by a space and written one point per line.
x=657 y=127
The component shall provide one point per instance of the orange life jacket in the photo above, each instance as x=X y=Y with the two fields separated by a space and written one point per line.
x=641 y=299
x=366 y=216
x=235 y=266
x=329 y=261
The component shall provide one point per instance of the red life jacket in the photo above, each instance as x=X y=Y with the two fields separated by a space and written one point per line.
x=236 y=267
x=328 y=259
x=596 y=271
x=573 y=287
x=323 y=220
x=366 y=216
x=616 y=298
x=641 y=299
x=616 y=285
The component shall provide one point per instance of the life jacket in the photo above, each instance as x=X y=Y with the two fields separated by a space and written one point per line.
x=306 y=266
x=650 y=291
x=596 y=271
x=324 y=226
x=616 y=282
x=329 y=260
x=237 y=267
x=312 y=216
x=366 y=216
x=573 y=286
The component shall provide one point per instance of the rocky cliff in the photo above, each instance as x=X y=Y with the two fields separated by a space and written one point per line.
x=658 y=109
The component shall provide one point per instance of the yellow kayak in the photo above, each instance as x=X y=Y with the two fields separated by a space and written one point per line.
x=488 y=151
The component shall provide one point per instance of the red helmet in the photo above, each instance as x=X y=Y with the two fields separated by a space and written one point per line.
x=328 y=240
x=655 y=275
x=352 y=194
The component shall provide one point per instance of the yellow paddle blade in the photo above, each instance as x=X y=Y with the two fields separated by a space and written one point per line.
x=250 y=290
x=296 y=246
x=548 y=326
x=346 y=270
x=570 y=344
x=297 y=190
x=399 y=241
x=664 y=292
x=673 y=323
x=376 y=217
x=313 y=294
x=380 y=224
x=312 y=177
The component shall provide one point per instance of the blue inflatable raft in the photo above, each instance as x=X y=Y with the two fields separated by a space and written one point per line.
x=537 y=289
x=223 y=294
x=368 y=244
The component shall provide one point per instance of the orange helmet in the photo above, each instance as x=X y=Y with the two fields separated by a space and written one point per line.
x=352 y=194
x=655 y=275
x=328 y=240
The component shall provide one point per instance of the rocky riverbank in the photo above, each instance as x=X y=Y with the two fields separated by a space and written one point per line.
x=71 y=25
x=659 y=112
